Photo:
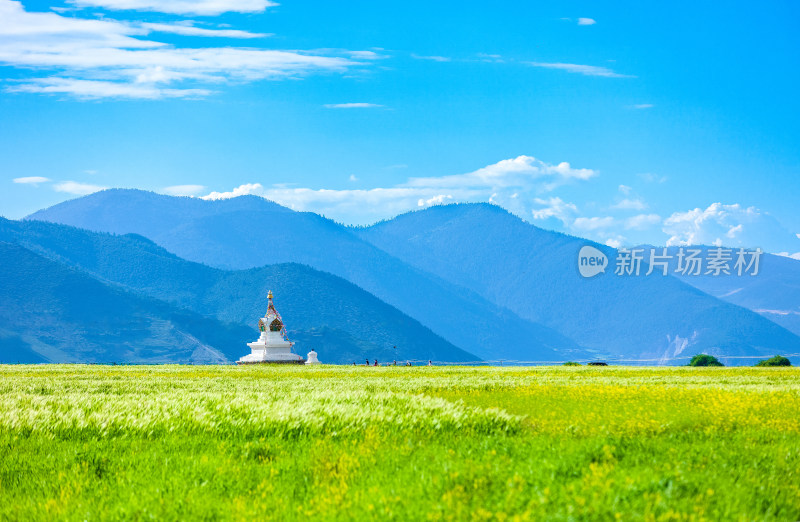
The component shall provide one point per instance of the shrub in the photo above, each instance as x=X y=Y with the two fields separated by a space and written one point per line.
x=572 y=363
x=598 y=363
x=778 y=360
x=703 y=359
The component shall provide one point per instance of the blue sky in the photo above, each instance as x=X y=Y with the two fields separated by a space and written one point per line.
x=622 y=122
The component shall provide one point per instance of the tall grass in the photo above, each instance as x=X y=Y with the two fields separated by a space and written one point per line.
x=177 y=442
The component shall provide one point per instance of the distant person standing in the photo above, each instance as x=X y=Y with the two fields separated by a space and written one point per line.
x=430 y=363
x=376 y=362
x=367 y=363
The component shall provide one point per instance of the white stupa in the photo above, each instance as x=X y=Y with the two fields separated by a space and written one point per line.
x=272 y=346
x=311 y=358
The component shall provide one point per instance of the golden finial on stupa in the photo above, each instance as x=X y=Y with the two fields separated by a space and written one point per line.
x=269 y=295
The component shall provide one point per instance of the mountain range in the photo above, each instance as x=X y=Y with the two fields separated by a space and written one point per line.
x=454 y=282
x=95 y=270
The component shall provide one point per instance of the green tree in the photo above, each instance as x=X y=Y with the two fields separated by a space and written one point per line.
x=703 y=359
x=778 y=360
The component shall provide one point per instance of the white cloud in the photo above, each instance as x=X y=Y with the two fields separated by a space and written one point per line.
x=188 y=29
x=431 y=58
x=490 y=58
x=352 y=105
x=643 y=106
x=615 y=242
x=353 y=177
x=630 y=204
x=730 y=225
x=586 y=21
x=593 y=223
x=587 y=70
x=75 y=52
x=521 y=171
x=76 y=188
x=554 y=207
x=625 y=189
x=796 y=255
x=365 y=55
x=435 y=200
x=642 y=221
x=506 y=182
x=242 y=190
x=183 y=190
x=31 y=180
x=198 y=7
x=92 y=89
x=733 y=230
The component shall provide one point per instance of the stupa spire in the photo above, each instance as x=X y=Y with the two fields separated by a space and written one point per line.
x=272 y=346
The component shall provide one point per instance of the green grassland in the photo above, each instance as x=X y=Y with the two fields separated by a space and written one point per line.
x=284 y=443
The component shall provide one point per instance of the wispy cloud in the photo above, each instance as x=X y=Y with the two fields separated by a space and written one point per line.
x=189 y=29
x=641 y=106
x=431 y=58
x=358 y=105
x=490 y=58
x=76 y=188
x=517 y=172
x=593 y=223
x=93 y=89
x=586 y=70
x=92 y=58
x=184 y=190
x=554 y=207
x=630 y=204
x=198 y=7
x=586 y=21
x=31 y=180
x=649 y=177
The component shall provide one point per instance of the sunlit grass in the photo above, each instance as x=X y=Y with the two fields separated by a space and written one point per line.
x=176 y=442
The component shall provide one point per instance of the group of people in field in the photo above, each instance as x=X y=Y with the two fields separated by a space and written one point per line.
x=394 y=363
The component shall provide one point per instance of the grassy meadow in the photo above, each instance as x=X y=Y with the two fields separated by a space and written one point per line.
x=440 y=443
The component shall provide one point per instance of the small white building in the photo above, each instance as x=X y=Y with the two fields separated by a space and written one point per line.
x=272 y=346
x=311 y=358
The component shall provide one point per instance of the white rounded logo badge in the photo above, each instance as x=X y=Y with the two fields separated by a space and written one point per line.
x=591 y=261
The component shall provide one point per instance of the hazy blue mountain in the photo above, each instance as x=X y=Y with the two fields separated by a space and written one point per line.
x=249 y=232
x=341 y=321
x=774 y=292
x=533 y=272
x=53 y=313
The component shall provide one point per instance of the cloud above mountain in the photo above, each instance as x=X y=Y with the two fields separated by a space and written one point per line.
x=524 y=185
x=729 y=225
x=511 y=182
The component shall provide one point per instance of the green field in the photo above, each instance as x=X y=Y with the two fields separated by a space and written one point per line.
x=556 y=443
